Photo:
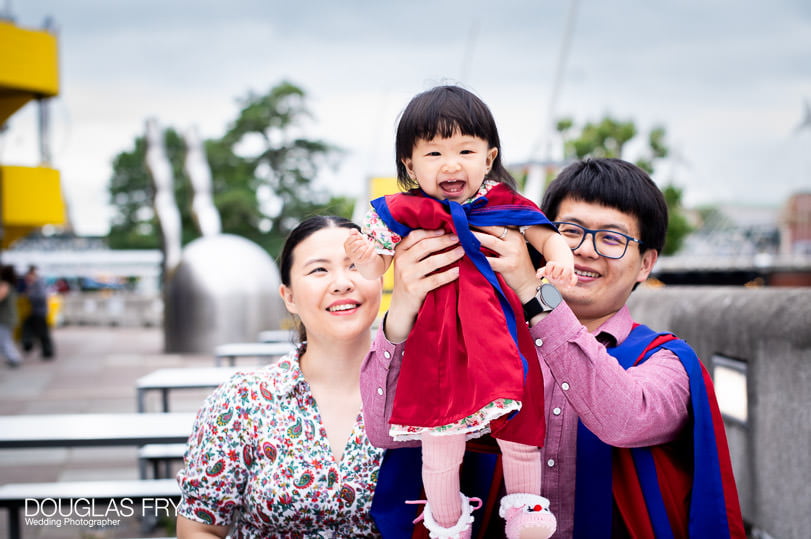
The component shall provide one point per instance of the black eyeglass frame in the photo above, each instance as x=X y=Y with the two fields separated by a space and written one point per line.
x=593 y=233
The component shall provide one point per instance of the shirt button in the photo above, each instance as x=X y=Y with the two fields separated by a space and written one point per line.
x=538 y=342
x=550 y=463
x=565 y=386
x=556 y=411
x=379 y=390
x=386 y=354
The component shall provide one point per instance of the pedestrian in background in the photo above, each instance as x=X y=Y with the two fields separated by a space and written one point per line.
x=8 y=316
x=35 y=325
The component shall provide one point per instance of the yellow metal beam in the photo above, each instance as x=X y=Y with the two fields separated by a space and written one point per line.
x=30 y=197
x=29 y=67
x=379 y=187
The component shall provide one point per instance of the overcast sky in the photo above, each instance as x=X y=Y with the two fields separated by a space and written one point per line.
x=730 y=82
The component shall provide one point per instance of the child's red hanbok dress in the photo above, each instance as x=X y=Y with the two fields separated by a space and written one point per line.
x=470 y=364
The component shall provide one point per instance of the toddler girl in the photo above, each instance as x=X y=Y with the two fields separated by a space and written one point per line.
x=469 y=355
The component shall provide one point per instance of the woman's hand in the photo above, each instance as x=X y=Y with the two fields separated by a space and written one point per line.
x=512 y=262
x=416 y=259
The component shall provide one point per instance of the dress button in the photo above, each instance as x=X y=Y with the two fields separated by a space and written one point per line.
x=550 y=462
x=556 y=411
x=538 y=342
x=565 y=386
x=379 y=390
x=386 y=354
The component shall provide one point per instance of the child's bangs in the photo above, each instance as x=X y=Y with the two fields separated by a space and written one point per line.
x=446 y=119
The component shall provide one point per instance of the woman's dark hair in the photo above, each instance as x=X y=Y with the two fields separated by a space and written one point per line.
x=616 y=184
x=304 y=230
x=440 y=112
x=8 y=274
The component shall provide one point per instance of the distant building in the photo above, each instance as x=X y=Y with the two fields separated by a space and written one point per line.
x=745 y=245
x=795 y=225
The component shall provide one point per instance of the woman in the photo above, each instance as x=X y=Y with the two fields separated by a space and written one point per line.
x=282 y=452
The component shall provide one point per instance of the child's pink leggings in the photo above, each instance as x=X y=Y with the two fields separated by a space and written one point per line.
x=441 y=458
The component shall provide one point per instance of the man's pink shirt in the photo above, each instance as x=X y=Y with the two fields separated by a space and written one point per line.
x=643 y=406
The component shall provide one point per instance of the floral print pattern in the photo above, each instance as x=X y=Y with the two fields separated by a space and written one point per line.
x=474 y=425
x=258 y=458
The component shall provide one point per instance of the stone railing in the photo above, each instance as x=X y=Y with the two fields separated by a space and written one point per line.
x=109 y=308
x=757 y=344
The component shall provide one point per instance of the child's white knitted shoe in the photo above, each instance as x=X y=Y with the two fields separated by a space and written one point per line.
x=527 y=516
x=463 y=527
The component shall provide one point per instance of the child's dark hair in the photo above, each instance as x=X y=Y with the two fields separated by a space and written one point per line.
x=304 y=230
x=616 y=184
x=440 y=112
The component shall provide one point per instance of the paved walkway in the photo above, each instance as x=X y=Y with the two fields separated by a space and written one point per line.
x=95 y=371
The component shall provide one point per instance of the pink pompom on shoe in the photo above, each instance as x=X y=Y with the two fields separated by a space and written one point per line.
x=527 y=516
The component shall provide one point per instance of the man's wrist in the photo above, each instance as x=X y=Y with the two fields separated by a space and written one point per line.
x=546 y=298
x=395 y=333
x=537 y=318
x=527 y=292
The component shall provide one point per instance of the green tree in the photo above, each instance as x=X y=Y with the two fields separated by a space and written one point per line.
x=607 y=138
x=262 y=172
x=678 y=227
x=134 y=224
x=262 y=154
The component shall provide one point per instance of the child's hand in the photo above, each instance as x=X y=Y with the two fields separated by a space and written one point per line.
x=358 y=248
x=560 y=275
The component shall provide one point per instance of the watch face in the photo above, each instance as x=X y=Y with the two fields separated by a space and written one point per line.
x=550 y=295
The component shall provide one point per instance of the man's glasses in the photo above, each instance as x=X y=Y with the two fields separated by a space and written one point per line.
x=607 y=243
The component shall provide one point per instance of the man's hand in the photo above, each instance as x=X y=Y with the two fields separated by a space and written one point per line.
x=416 y=261
x=512 y=262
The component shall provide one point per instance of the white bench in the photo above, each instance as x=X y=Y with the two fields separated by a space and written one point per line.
x=157 y=454
x=156 y=492
x=268 y=352
x=93 y=430
x=277 y=335
x=168 y=379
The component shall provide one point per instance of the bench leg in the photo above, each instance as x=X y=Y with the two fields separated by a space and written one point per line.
x=14 y=523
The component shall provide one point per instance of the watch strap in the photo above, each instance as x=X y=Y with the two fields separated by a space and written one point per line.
x=546 y=298
x=532 y=308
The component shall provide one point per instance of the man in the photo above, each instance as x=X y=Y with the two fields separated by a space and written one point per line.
x=35 y=325
x=604 y=391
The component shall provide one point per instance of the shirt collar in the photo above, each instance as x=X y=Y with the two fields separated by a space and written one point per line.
x=617 y=328
x=289 y=379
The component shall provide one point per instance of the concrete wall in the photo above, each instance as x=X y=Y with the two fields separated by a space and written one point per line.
x=769 y=330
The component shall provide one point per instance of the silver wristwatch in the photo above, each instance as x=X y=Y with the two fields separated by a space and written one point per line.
x=546 y=299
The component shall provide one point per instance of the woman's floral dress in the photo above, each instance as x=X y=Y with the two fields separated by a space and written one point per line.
x=258 y=458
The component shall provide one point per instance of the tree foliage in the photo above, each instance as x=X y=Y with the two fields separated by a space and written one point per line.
x=608 y=138
x=134 y=224
x=262 y=170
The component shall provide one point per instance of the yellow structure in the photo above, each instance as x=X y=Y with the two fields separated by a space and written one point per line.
x=379 y=187
x=30 y=197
